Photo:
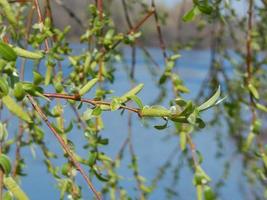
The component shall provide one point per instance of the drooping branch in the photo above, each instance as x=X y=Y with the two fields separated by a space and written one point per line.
x=64 y=146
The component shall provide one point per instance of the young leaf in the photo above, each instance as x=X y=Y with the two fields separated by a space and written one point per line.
x=155 y=111
x=97 y=111
x=28 y=54
x=19 y=92
x=15 y=108
x=183 y=140
x=261 y=107
x=5 y=164
x=3 y=87
x=7 y=53
x=88 y=86
x=126 y=97
x=190 y=15
x=137 y=100
x=115 y=104
x=253 y=91
x=211 y=101
x=37 y=78
x=14 y=188
x=9 y=13
x=161 y=127
x=205 y=8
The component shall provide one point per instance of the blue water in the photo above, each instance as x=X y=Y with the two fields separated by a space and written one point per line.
x=150 y=145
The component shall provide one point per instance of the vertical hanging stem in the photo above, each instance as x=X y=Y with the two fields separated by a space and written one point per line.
x=41 y=21
x=161 y=40
x=249 y=57
x=64 y=146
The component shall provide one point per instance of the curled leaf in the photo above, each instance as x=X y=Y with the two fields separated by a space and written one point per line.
x=161 y=127
x=5 y=164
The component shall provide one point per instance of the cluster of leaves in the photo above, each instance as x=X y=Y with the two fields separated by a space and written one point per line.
x=92 y=66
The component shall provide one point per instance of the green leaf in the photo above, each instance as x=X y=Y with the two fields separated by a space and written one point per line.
x=5 y=164
x=97 y=111
x=211 y=101
x=9 y=13
x=261 y=107
x=19 y=92
x=190 y=15
x=37 y=78
x=48 y=74
x=8 y=196
x=253 y=91
x=200 y=123
x=92 y=158
x=250 y=138
x=205 y=8
x=161 y=127
x=28 y=54
x=15 y=189
x=183 y=140
x=208 y=193
x=13 y=107
x=3 y=132
x=4 y=88
x=88 y=86
x=137 y=100
x=100 y=176
x=155 y=111
x=126 y=97
x=115 y=104
x=103 y=141
x=7 y=53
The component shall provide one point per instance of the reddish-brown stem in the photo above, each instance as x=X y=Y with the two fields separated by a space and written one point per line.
x=142 y=21
x=162 y=44
x=132 y=30
x=100 y=9
x=64 y=146
x=41 y=21
x=90 y=101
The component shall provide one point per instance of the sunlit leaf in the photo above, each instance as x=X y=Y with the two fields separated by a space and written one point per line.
x=15 y=108
x=137 y=100
x=15 y=189
x=190 y=15
x=253 y=91
x=88 y=86
x=211 y=101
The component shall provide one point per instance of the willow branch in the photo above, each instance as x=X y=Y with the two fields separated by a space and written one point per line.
x=64 y=146
x=249 y=57
x=90 y=101
x=41 y=21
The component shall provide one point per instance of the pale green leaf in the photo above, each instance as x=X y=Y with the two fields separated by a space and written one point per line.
x=211 y=101
x=13 y=107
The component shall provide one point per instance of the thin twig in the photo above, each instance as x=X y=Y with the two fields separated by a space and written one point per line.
x=161 y=40
x=64 y=146
x=41 y=21
x=90 y=101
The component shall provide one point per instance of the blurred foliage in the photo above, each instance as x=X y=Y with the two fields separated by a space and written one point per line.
x=27 y=35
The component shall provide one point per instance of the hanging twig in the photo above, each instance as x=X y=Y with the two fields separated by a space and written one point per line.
x=64 y=146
